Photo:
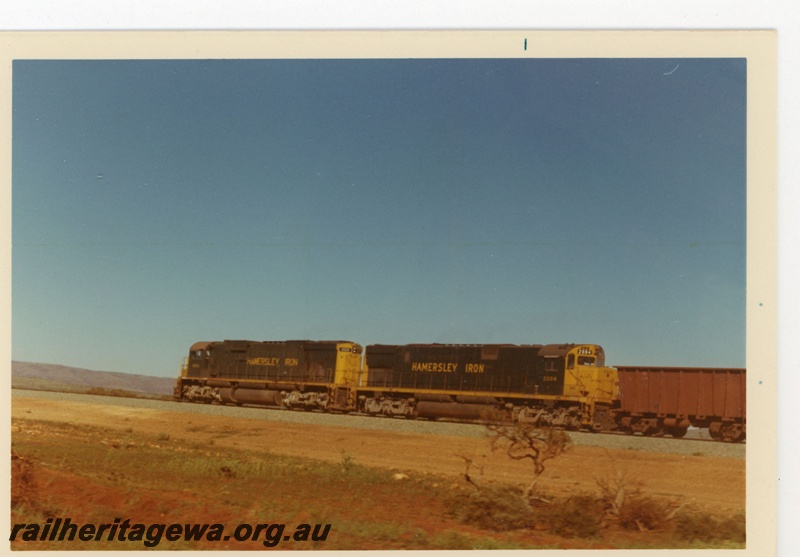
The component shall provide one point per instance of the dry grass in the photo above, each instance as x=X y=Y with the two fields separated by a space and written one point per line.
x=95 y=474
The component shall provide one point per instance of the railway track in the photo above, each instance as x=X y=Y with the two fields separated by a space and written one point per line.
x=693 y=444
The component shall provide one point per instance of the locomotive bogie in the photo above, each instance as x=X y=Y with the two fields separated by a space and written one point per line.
x=386 y=406
x=570 y=417
x=199 y=393
x=734 y=432
x=306 y=400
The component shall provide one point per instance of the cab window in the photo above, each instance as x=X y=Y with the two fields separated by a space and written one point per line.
x=571 y=361
x=586 y=360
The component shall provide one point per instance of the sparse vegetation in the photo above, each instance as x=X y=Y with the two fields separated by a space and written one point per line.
x=580 y=516
x=33 y=384
x=620 y=504
x=522 y=441
x=588 y=516
x=93 y=473
x=122 y=393
x=347 y=461
x=705 y=528
x=496 y=508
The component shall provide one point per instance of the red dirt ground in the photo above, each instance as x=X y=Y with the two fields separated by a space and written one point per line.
x=715 y=485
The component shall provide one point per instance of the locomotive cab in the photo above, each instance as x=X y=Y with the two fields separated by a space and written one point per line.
x=586 y=366
x=587 y=376
x=198 y=363
x=578 y=373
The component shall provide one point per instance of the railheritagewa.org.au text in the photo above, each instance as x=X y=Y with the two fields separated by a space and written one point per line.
x=151 y=535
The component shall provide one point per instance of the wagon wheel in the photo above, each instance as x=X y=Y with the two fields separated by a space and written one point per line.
x=654 y=432
x=677 y=432
x=735 y=436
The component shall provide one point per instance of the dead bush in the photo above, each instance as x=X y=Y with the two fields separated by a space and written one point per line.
x=524 y=441
x=627 y=505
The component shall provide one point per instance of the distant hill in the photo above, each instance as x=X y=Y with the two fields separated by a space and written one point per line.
x=26 y=375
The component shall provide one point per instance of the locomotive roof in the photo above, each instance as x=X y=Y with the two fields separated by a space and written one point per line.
x=560 y=349
x=203 y=345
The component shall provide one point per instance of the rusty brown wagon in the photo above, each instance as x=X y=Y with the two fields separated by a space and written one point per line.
x=668 y=400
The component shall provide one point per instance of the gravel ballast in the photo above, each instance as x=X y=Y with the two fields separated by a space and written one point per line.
x=696 y=443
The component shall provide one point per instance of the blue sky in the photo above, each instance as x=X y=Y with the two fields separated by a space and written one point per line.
x=157 y=203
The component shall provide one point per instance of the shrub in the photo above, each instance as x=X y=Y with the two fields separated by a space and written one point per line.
x=626 y=504
x=23 y=482
x=705 y=528
x=493 y=508
x=643 y=513
x=525 y=441
x=577 y=517
x=347 y=461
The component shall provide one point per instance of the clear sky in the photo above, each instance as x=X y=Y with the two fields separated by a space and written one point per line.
x=158 y=203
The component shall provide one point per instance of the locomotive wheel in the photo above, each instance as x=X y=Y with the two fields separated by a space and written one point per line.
x=677 y=432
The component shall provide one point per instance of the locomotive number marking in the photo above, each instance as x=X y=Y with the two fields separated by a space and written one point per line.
x=548 y=378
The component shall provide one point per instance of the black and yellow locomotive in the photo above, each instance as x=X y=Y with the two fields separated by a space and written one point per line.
x=566 y=385
x=292 y=374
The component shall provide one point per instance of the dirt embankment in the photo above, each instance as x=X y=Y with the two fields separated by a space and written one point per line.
x=711 y=483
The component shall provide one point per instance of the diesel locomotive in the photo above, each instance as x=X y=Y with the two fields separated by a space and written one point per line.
x=565 y=385
x=561 y=385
